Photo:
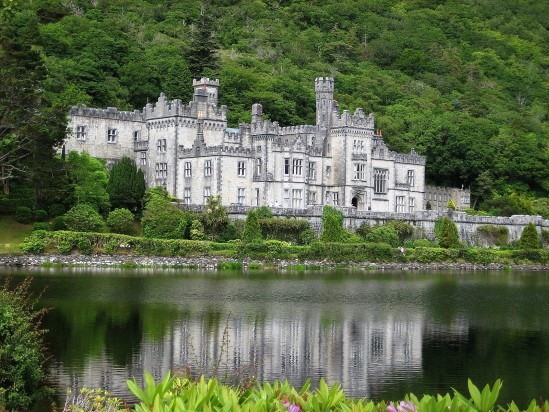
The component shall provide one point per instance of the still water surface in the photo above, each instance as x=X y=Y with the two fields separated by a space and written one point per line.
x=380 y=334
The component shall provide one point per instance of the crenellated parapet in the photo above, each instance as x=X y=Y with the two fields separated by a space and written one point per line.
x=231 y=135
x=234 y=151
x=108 y=113
x=410 y=158
x=264 y=127
x=358 y=119
x=301 y=129
x=205 y=109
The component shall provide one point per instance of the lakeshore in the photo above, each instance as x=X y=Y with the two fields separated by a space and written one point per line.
x=216 y=262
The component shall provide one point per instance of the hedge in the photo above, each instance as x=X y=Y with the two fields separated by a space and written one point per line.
x=288 y=230
x=354 y=252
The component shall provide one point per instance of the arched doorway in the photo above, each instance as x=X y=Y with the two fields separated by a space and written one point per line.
x=354 y=202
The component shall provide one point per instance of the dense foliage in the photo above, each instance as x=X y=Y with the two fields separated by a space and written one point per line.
x=252 y=230
x=126 y=185
x=529 y=238
x=448 y=236
x=121 y=221
x=22 y=353
x=83 y=218
x=162 y=219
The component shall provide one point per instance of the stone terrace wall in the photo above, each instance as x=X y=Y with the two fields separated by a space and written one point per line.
x=423 y=220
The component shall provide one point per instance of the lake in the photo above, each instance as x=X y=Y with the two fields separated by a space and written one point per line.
x=381 y=334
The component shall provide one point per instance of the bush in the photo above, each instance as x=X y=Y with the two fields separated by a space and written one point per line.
x=84 y=245
x=40 y=215
x=404 y=230
x=288 y=230
x=84 y=218
x=494 y=235
x=164 y=220
x=364 y=229
x=529 y=239
x=22 y=369
x=545 y=236
x=343 y=252
x=215 y=217
x=35 y=243
x=23 y=214
x=332 y=225
x=383 y=234
x=56 y=209
x=263 y=212
x=58 y=223
x=448 y=236
x=121 y=221
x=252 y=230
x=40 y=226
x=307 y=237
x=197 y=230
x=229 y=233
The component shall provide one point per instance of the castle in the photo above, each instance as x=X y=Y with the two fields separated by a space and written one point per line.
x=342 y=160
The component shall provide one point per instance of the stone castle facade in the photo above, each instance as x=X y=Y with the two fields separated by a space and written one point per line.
x=342 y=160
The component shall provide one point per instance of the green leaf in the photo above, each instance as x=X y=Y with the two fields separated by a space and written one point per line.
x=475 y=393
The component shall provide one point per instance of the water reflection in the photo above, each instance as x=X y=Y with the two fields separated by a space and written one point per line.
x=380 y=334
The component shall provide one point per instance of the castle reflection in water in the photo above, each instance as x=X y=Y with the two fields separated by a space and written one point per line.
x=362 y=351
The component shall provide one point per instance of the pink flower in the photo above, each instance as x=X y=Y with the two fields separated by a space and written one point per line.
x=402 y=407
x=294 y=408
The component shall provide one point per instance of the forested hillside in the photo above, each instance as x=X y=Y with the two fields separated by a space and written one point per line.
x=465 y=82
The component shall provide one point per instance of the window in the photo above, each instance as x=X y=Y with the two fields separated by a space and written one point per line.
x=286 y=198
x=136 y=135
x=240 y=197
x=286 y=167
x=161 y=170
x=400 y=204
x=258 y=165
x=256 y=197
x=161 y=145
x=311 y=171
x=297 y=166
x=358 y=146
x=380 y=181
x=360 y=171
x=143 y=157
x=464 y=200
x=187 y=196
x=312 y=198
x=410 y=178
x=207 y=167
x=297 y=198
x=411 y=204
x=81 y=133
x=207 y=194
x=112 y=134
x=188 y=171
x=328 y=171
x=335 y=198
x=241 y=168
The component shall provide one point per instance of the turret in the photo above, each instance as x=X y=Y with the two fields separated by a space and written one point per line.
x=324 y=88
x=208 y=88
x=257 y=111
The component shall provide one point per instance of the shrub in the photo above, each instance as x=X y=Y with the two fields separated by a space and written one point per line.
x=58 y=223
x=40 y=215
x=451 y=204
x=383 y=234
x=288 y=230
x=494 y=235
x=40 y=226
x=84 y=218
x=332 y=225
x=197 y=230
x=343 y=252
x=307 y=237
x=252 y=230
x=364 y=229
x=264 y=212
x=121 y=221
x=35 y=243
x=84 y=245
x=214 y=217
x=529 y=239
x=22 y=368
x=126 y=185
x=56 y=209
x=164 y=220
x=404 y=230
x=23 y=214
x=545 y=236
x=448 y=236
x=230 y=232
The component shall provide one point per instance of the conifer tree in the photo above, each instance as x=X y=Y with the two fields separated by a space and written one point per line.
x=252 y=230
x=202 y=52
x=529 y=239
x=449 y=236
x=126 y=185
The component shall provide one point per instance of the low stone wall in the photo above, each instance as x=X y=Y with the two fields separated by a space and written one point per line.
x=211 y=263
x=424 y=221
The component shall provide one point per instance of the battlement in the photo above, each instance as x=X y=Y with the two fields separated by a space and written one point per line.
x=324 y=84
x=358 y=119
x=108 y=113
x=236 y=151
x=302 y=129
x=232 y=135
x=206 y=81
x=167 y=108
x=264 y=127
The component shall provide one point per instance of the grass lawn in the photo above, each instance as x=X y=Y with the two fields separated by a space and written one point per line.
x=12 y=234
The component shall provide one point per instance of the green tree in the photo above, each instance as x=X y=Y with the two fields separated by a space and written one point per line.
x=214 y=217
x=31 y=126
x=332 y=225
x=529 y=239
x=22 y=360
x=126 y=185
x=252 y=230
x=201 y=54
x=121 y=221
x=197 y=230
x=89 y=179
x=449 y=236
x=83 y=218
x=164 y=220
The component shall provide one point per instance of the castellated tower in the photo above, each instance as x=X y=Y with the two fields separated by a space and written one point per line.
x=324 y=88
x=207 y=87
